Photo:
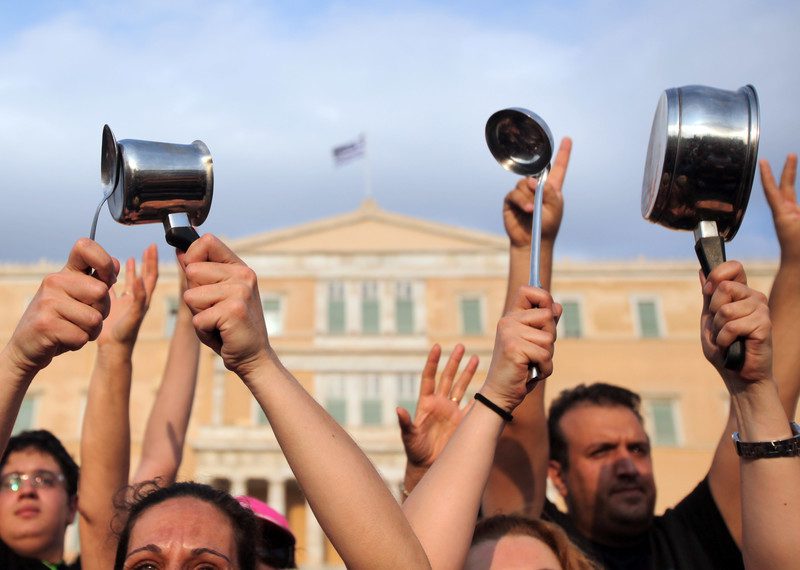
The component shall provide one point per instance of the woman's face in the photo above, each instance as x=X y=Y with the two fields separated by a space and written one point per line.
x=180 y=533
x=513 y=552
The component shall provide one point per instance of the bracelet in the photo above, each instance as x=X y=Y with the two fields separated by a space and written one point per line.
x=494 y=407
x=778 y=448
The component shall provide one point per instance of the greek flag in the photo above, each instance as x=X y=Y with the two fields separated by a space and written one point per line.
x=350 y=151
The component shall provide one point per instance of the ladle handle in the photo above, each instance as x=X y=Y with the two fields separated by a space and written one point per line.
x=711 y=253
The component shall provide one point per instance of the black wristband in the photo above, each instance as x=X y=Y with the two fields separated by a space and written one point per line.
x=494 y=407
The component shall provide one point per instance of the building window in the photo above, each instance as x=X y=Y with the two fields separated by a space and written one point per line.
x=26 y=418
x=172 y=316
x=336 y=398
x=370 y=308
x=647 y=317
x=570 y=322
x=371 y=401
x=663 y=419
x=404 y=308
x=336 y=308
x=273 y=315
x=407 y=391
x=471 y=316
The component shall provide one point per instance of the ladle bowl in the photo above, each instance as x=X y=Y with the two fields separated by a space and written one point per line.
x=520 y=141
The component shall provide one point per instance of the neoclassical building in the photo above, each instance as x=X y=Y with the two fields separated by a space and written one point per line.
x=354 y=302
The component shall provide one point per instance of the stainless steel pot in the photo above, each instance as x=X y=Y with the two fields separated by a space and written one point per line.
x=700 y=165
x=151 y=182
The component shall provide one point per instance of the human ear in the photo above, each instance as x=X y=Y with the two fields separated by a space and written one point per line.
x=557 y=474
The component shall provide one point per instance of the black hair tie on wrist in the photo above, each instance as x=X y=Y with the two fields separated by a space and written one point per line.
x=494 y=407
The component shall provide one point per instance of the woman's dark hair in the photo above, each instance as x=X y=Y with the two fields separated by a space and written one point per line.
x=498 y=526
x=149 y=494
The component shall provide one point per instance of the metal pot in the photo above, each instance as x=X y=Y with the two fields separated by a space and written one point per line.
x=702 y=158
x=700 y=165
x=158 y=182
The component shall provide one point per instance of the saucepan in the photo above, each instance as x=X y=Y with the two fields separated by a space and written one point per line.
x=521 y=142
x=699 y=171
x=148 y=182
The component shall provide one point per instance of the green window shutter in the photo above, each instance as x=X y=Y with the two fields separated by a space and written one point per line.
x=272 y=316
x=371 y=412
x=370 y=316
x=471 y=316
x=648 y=319
x=25 y=417
x=571 y=319
x=172 y=316
x=337 y=408
x=664 y=422
x=404 y=315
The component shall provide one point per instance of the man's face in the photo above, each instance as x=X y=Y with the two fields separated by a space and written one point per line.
x=608 y=485
x=33 y=520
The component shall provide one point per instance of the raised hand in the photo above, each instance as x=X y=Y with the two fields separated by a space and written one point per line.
x=731 y=310
x=129 y=307
x=518 y=204
x=782 y=200
x=438 y=411
x=67 y=310
x=526 y=335
x=223 y=296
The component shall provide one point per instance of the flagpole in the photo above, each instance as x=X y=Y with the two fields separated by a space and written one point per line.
x=367 y=170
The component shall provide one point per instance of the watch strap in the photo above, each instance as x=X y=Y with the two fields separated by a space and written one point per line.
x=764 y=449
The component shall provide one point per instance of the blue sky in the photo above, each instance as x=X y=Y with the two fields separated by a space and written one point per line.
x=271 y=87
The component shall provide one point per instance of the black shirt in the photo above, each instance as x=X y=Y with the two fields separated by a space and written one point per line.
x=10 y=560
x=691 y=536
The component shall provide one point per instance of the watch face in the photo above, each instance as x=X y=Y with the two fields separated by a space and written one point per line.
x=654 y=176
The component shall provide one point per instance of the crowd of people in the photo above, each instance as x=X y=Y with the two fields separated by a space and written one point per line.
x=475 y=486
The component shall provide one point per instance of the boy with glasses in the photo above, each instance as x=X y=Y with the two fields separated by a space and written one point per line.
x=38 y=500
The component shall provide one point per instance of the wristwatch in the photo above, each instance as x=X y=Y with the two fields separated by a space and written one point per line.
x=761 y=449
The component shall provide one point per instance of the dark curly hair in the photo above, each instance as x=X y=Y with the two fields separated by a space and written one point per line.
x=597 y=394
x=45 y=442
x=148 y=494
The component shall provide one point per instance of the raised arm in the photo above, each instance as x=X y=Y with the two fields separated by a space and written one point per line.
x=66 y=313
x=105 y=438
x=348 y=497
x=162 y=449
x=443 y=508
x=518 y=481
x=784 y=299
x=437 y=414
x=784 y=304
x=770 y=486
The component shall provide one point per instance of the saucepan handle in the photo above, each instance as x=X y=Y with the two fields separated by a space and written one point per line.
x=711 y=253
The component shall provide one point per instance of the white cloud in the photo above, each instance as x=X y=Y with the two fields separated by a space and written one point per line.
x=271 y=93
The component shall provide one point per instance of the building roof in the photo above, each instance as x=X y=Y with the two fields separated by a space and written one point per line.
x=370 y=230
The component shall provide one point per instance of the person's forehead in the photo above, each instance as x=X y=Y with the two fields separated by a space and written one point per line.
x=185 y=522
x=30 y=459
x=588 y=422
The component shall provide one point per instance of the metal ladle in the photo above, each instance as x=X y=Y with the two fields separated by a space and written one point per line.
x=521 y=142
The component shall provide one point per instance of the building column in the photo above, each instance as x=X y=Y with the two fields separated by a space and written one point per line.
x=218 y=392
x=315 y=547
x=238 y=486
x=276 y=495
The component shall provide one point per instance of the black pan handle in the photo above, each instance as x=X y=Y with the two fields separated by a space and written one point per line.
x=711 y=253
x=181 y=237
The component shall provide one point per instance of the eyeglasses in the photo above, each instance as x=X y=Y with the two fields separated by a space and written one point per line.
x=41 y=479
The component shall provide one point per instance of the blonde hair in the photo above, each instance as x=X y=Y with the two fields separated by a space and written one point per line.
x=498 y=526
